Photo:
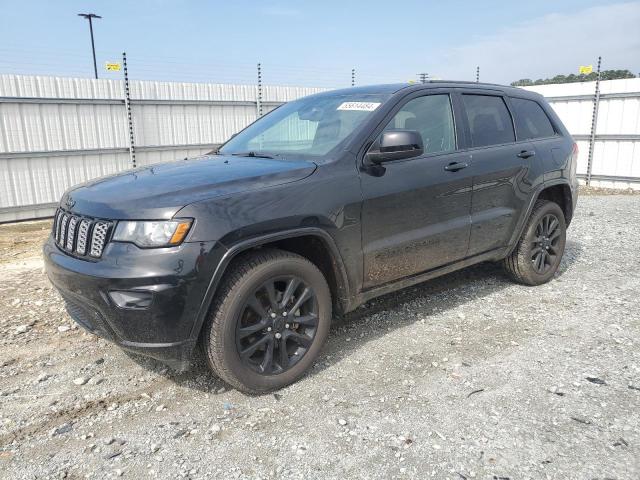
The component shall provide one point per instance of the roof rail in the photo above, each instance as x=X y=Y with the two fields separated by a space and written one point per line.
x=468 y=82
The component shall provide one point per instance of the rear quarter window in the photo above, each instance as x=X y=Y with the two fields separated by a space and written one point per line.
x=531 y=120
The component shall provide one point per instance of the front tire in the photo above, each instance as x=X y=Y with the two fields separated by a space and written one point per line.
x=268 y=321
x=537 y=255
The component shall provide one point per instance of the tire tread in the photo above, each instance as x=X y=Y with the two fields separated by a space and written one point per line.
x=213 y=341
x=516 y=264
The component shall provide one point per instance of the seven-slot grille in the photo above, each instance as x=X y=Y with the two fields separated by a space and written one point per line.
x=79 y=235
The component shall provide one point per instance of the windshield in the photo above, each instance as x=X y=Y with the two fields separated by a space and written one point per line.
x=309 y=126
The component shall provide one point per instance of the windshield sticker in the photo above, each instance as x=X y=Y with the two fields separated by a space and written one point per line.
x=360 y=106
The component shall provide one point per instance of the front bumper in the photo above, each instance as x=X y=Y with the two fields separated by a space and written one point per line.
x=177 y=279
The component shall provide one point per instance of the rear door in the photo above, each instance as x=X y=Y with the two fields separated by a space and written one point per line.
x=500 y=168
x=415 y=216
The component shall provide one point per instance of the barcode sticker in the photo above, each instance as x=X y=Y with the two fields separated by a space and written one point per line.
x=361 y=106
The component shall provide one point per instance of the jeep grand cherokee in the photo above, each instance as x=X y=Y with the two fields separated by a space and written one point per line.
x=320 y=205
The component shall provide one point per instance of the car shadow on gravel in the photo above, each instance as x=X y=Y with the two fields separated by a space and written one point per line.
x=444 y=293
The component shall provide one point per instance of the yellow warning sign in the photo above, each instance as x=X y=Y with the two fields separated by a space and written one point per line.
x=115 y=67
x=585 y=69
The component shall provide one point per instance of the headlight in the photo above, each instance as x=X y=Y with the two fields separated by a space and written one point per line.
x=152 y=234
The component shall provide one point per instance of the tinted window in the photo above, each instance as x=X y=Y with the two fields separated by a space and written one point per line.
x=489 y=120
x=432 y=117
x=531 y=121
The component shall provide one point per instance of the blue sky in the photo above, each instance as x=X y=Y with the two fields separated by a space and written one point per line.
x=318 y=42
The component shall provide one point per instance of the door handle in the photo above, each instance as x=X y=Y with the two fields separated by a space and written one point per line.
x=526 y=153
x=455 y=166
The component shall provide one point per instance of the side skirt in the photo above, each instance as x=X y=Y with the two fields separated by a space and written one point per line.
x=366 y=295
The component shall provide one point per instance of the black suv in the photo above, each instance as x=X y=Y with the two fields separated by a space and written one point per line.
x=317 y=207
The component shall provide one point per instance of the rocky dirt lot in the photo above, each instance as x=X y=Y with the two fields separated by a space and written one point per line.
x=467 y=376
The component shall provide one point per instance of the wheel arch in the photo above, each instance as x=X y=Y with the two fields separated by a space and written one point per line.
x=557 y=191
x=313 y=243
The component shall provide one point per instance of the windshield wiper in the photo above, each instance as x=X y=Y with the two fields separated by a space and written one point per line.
x=252 y=154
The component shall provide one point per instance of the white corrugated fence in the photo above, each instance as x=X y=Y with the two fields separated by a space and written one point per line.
x=616 y=153
x=56 y=132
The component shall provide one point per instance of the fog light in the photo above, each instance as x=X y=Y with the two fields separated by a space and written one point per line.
x=131 y=299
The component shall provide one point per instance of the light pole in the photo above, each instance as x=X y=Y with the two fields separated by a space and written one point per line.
x=90 y=16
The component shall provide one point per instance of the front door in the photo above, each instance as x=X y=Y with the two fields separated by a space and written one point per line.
x=416 y=215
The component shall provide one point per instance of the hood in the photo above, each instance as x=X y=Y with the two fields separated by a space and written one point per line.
x=159 y=191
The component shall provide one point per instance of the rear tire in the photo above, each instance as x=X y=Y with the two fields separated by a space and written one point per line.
x=539 y=251
x=268 y=322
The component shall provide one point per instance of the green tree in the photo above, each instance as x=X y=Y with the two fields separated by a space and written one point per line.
x=572 y=78
x=525 y=82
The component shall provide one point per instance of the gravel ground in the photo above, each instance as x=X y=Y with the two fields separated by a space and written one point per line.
x=466 y=376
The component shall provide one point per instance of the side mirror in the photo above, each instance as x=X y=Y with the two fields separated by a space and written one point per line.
x=396 y=145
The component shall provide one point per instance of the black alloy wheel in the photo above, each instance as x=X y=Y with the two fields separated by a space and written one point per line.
x=538 y=253
x=545 y=243
x=277 y=325
x=268 y=321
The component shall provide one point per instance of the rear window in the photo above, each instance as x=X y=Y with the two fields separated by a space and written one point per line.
x=489 y=120
x=531 y=120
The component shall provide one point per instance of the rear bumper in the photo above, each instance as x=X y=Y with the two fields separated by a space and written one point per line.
x=176 y=279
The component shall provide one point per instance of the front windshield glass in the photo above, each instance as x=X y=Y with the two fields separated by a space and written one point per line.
x=309 y=126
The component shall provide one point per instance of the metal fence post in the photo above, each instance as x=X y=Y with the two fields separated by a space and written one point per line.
x=353 y=77
x=127 y=103
x=594 y=124
x=259 y=100
x=477 y=74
